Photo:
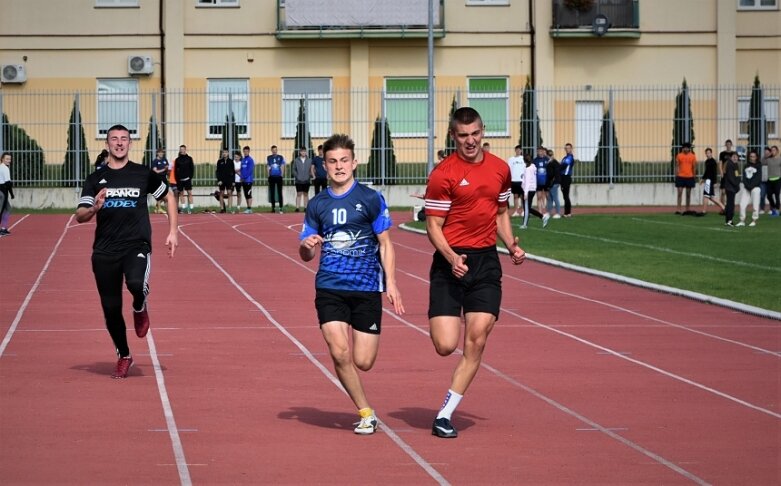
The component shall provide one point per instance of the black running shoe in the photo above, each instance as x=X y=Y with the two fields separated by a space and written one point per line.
x=444 y=429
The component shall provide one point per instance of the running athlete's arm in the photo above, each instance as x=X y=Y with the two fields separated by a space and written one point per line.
x=84 y=214
x=388 y=260
x=504 y=230
x=310 y=236
x=172 y=206
x=437 y=238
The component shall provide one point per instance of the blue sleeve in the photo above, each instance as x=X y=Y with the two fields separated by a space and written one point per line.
x=383 y=220
x=311 y=223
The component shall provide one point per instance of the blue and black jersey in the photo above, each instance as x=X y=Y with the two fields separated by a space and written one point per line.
x=349 y=224
x=567 y=164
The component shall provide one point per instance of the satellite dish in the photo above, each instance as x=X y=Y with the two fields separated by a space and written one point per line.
x=600 y=25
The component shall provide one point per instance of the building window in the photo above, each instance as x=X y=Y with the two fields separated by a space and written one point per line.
x=489 y=97
x=472 y=3
x=406 y=106
x=771 y=117
x=217 y=3
x=116 y=3
x=757 y=4
x=117 y=105
x=317 y=95
x=228 y=96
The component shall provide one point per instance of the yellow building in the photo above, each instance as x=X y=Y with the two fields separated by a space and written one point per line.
x=354 y=60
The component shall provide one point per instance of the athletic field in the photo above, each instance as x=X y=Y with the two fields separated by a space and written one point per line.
x=585 y=380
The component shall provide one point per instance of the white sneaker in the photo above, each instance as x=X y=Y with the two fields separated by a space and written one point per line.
x=753 y=223
x=557 y=216
x=545 y=219
x=523 y=226
x=367 y=425
x=741 y=224
x=515 y=214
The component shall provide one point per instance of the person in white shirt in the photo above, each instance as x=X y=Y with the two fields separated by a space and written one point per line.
x=6 y=193
x=517 y=168
x=530 y=189
x=237 y=177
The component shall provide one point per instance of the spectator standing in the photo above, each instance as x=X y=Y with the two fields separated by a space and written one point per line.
x=247 y=172
x=774 y=180
x=724 y=157
x=763 y=185
x=6 y=193
x=225 y=177
x=708 y=182
x=159 y=167
x=466 y=210
x=303 y=173
x=237 y=178
x=529 y=186
x=320 y=175
x=541 y=162
x=116 y=196
x=276 y=173
x=567 y=169
x=686 y=167
x=554 y=183
x=516 y=179
x=185 y=170
x=350 y=223
x=751 y=178
x=731 y=180
x=101 y=158
x=487 y=148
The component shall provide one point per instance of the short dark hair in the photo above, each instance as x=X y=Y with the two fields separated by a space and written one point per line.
x=183 y=146
x=541 y=148
x=686 y=145
x=441 y=153
x=122 y=128
x=709 y=149
x=568 y=144
x=273 y=147
x=727 y=141
x=464 y=116
x=320 y=147
x=518 y=147
x=337 y=141
x=160 y=149
x=4 y=154
x=246 y=147
x=236 y=152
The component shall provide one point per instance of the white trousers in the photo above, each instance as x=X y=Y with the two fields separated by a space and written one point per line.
x=746 y=198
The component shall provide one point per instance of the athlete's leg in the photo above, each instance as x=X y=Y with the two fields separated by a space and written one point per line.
x=478 y=327
x=108 y=277
x=445 y=332
x=136 y=266
x=337 y=338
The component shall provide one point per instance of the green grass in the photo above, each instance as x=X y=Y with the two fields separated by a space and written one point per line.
x=698 y=254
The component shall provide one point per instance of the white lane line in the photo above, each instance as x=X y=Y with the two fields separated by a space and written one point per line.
x=609 y=431
x=173 y=431
x=18 y=221
x=9 y=334
x=385 y=428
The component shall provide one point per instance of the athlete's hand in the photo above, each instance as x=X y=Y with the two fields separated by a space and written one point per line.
x=517 y=254
x=100 y=199
x=311 y=242
x=172 y=242
x=459 y=266
x=394 y=296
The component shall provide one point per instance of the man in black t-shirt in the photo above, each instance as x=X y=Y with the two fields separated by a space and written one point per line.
x=724 y=157
x=116 y=195
x=184 y=170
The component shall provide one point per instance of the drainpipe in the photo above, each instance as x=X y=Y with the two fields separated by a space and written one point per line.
x=161 y=29
x=533 y=43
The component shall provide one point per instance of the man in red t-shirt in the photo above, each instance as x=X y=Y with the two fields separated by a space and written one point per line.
x=466 y=208
x=686 y=166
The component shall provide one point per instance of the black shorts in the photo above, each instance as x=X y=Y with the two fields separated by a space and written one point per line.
x=225 y=185
x=517 y=188
x=708 y=188
x=302 y=187
x=184 y=185
x=247 y=188
x=480 y=290
x=684 y=182
x=361 y=310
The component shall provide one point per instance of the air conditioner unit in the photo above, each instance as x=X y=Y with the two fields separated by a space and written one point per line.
x=139 y=65
x=13 y=73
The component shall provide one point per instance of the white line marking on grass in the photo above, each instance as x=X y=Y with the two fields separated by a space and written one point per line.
x=18 y=221
x=173 y=431
x=572 y=413
x=385 y=428
x=9 y=334
x=679 y=225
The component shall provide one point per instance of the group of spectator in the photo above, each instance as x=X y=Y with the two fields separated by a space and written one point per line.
x=544 y=176
x=757 y=182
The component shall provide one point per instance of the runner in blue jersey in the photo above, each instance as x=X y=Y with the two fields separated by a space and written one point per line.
x=350 y=223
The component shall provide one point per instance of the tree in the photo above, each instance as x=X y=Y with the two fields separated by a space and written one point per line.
x=302 y=138
x=154 y=141
x=450 y=144
x=77 y=164
x=757 y=122
x=529 y=140
x=602 y=166
x=230 y=135
x=683 y=123
x=382 y=144
x=28 y=156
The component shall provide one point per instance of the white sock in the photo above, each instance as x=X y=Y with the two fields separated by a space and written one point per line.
x=452 y=399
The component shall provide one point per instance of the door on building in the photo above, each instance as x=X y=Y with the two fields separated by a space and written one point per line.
x=588 y=120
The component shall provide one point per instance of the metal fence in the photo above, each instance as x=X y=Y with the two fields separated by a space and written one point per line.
x=43 y=130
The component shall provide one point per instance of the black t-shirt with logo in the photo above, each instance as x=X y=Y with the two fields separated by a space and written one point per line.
x=123 y=221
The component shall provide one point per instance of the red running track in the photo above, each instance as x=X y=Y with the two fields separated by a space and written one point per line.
x=584 y=380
